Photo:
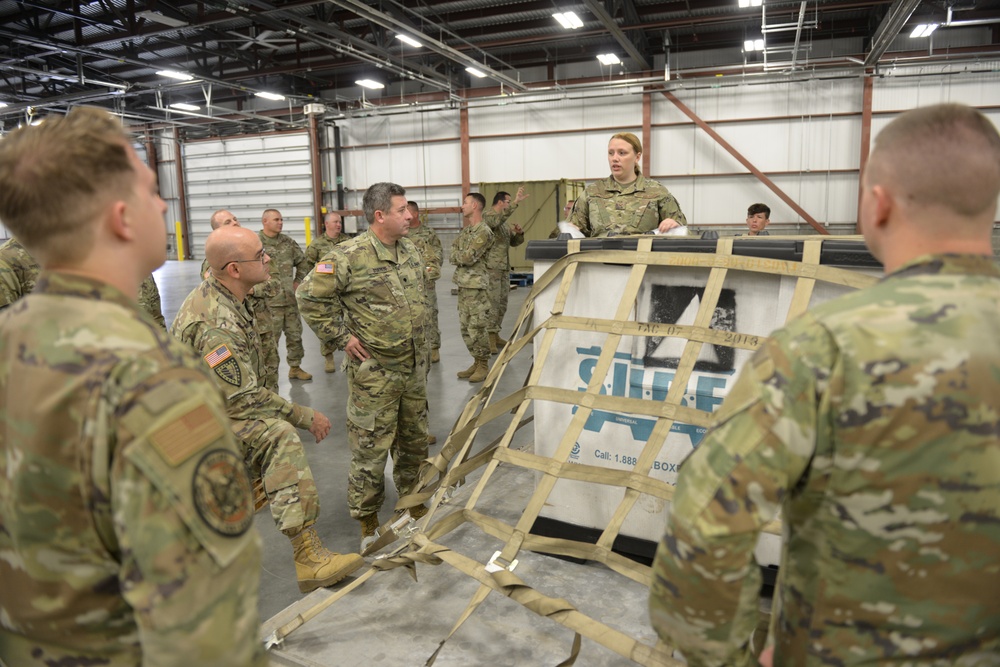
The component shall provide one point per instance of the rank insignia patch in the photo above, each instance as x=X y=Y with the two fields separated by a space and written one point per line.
x=222 y=494
x=229 y=371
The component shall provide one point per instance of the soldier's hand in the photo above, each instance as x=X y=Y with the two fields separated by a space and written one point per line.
x=520 y=196
x=356 y=350
x=668 y=223
x=517 y=229
x=767 y=656
x=320 y=426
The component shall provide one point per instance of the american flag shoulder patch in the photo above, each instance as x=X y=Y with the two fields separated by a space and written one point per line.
x=218 y=355
x=324 y=267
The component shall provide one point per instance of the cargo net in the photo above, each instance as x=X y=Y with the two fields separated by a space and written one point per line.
x=464 y=456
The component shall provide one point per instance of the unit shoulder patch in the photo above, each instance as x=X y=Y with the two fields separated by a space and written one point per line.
x=229 y=371
x=221 y=492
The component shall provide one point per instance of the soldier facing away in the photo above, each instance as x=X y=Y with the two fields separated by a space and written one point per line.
x=429 y=246
x=366 y=297
x=126 y=516
x=873 y=423
x=217 y=320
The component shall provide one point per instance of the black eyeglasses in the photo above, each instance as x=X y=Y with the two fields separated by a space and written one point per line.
x=259 y=257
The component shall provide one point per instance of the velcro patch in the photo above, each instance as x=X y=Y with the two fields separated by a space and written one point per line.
x=229 y=371
x=187 y=435
x=218 y=355
x=222 y=493
x=324 y=267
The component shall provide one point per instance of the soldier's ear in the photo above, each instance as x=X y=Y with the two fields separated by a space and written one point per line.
x=117 y=223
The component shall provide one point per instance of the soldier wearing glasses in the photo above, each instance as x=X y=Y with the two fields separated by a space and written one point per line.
x=218 y=322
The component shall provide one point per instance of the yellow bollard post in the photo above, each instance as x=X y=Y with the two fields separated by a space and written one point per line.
x=308 y=230
x=180 y=240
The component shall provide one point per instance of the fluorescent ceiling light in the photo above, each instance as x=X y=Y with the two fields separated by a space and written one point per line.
x=753 y=45
x=568 y=20
x=750 y=3
x=184 y=106
x=406 y=39
x=159 y=18
x=368 y=83
x=2 y=105
x=608 y=59
x=171 y=74
x=270 y=96
x=923 y=30
x=38 y=121
x=475 y=72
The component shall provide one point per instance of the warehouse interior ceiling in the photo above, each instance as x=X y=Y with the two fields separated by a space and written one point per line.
x=55 y=54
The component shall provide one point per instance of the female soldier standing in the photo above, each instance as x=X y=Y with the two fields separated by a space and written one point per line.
x=626 y=202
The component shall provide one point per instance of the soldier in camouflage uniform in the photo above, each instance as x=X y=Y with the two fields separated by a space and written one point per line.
x=288 y=267
x=367 y=297
x=218 y=323
x=321 y=245
x=18 y=272
x=505 y=235
x=429 y=246
x=126 y=521
x=257 y=298
x=149 y=300
x=475 y=309
x=626 y=202
x=873 y=424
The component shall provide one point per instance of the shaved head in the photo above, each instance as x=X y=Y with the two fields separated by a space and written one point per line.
x=228 y=244
x=946 y=155
x=223 y=218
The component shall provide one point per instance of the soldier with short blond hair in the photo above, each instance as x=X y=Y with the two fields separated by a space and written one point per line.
x=126 y=515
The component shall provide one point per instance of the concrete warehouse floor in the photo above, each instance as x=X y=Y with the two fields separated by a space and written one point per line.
x=391 y=619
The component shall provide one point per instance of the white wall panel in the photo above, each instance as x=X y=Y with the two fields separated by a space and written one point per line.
x=248 y=175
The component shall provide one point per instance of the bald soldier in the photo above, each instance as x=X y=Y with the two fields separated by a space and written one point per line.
x=219 y=323
x=257 y=296
x=873 y=423
x=332 y=235
x=126 y=516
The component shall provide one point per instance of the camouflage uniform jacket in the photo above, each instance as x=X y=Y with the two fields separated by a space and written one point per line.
x=321 y=245
x=223 y=332
x=288 y=266
x=149 y=300
x=498 y=257
x=873 y=423
x=468 y=254
x=125 y=508
x=607 y=208
x=18 y=272
x=362 y=288
x=429 y=246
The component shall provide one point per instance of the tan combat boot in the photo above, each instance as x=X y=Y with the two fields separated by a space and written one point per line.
x=435 y=356
x=316 y=566
x=501 y=343
x=468 y=371
x=493 y=344
x=296 y=373
x=432 y=440
x=482 y=368
x=331 y=365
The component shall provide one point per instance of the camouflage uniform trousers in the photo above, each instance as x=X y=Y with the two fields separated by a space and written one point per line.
x=386 y=414
x=475 y=314
x=433 y=328
x=268 y=343
x=499 y=295
x=273 y=451
x=286 y=319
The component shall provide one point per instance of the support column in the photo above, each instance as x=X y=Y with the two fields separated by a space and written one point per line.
x=866 y=136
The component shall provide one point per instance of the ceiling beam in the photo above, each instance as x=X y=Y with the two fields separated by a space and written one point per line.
x=897 y=16
x=597 y=10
